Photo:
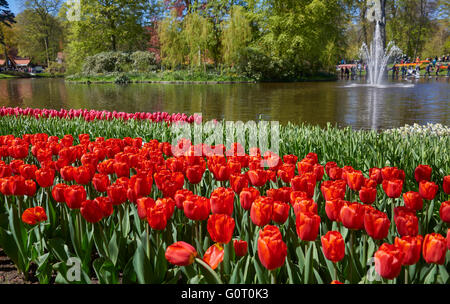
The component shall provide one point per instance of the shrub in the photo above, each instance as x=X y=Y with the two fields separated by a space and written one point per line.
x=143 y=61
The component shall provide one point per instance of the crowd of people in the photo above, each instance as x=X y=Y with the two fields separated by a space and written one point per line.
x=404 y=67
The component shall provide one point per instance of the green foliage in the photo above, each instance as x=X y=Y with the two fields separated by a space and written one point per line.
x=143 y=61
x=173 y=44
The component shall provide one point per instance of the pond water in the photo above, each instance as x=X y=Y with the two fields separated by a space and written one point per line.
x=344 y=102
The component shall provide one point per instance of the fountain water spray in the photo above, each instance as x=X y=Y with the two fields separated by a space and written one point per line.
x=376 y=57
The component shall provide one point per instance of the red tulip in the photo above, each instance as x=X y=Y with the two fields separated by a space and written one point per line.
x=393 y=187
x=352 y=215
x=220 y=228
x=214 y=255
x=305 y=205
x=157 y=217
x=82 y=175
x=58 y=192
x=180 y=254
x=67 y=173
x=180 y=197
x=367 y=195
x=333 y=209
x=290 y=159
x=33 y=216
x=444 y=212
x=105 y=205
x=307 y=224
x=406 y=221
x=143 y=204
x=355 y=180
x=45 y=177
x=91 y=211
x=422 y=172
x=247 y=197
x=30 y=188
x=388 y=261
x=446 y=184
x=280 y=212
x=411 y=246
x=261 y=211
x=117 y=193
x=196 y=207
x=28 y=171
x=74 y=195
x=333 y=246
x=141 y=184
x=272 y=251
x=101 y=182
x=121 y=169
x=392 y=173
x=194 y=173
x=222 y=201
x=238 y=182
x=286 y=172
x=375 y=174
x=434 y=249
x=413 y=200
x=376 y=224
x=336 y=282
x=428 y=190
x=258 y=177
x=240 y=248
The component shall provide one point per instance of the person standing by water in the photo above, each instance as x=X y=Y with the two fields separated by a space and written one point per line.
x=428 y=70
x=438 y=67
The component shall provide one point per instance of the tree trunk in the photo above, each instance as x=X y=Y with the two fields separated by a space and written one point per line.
x=382 y=22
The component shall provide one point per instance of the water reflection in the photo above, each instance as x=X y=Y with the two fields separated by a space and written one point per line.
x=342 y=103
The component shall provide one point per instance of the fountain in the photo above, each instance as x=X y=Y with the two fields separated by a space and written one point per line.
x=376 y=56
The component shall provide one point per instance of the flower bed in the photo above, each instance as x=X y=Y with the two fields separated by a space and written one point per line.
x=133 y=212
x=90 y=115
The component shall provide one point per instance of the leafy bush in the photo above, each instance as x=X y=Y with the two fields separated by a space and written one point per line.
x=255 y=64
x=143 y=61
x=56 y=68
x=122 y=78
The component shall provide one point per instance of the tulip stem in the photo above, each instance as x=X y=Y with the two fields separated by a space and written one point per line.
x=273 y=277
x=392 y=217
x=41 y=239
x=406 y=274
x=335 y=271
x=352 y=253
x=148 y=239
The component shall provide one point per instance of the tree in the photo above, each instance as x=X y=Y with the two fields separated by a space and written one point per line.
x=6 y=20
x=106 y=25
x=237 y=34
x=198 y=34
x=36 y=40
x=172 y=43
x=42 y=28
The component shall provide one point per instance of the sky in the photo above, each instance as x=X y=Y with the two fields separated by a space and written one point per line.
x=15 y=6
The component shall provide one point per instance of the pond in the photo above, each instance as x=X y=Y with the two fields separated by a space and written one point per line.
x=344 y=102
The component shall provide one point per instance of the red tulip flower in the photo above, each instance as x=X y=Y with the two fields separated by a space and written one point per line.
x=333 y=209
x=406 y=221
x=143 y=204
x=180 y=197
x=194 y=173
x=105 y=205
x=91 y=211
x=157 y=217
x=305 y=205
x=45 y=177
x=446 y=184
x=272 y=251
x=393 y=187
x=388 y=261
x=376 y=223
x=180 y=254
x=307 y=225
x=367 y=195
x=33 y=216
x=258 y=178
x=355 y=180
x=101 y=182
x=427 y=190
x=444 y=212
x=261 y=211
x=422 y=172
x=196 y=207
x=58 y=192
x=74 y=195
x=280 y=212
x=220 y=228
x=411 y=246
x=238 y=182
x=375 y=174
x=413 y=200
x=240 y=248
x=333 y=246
x=214 y=255
x=434 y=248
x=117 y=193
x=247 y=197
x=67 y=173
x=222 y=201
x=352 y=215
